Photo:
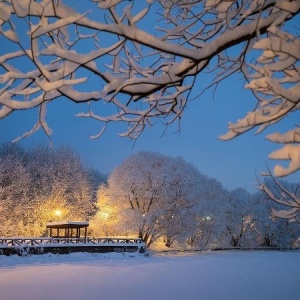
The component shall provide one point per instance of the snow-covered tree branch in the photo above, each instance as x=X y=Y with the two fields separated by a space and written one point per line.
x=287 y=198
x=276 y=84
x=145 y=68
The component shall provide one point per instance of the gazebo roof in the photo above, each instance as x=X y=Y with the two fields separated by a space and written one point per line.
x=67 y=224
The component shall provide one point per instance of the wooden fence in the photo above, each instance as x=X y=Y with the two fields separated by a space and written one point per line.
x=25 y=246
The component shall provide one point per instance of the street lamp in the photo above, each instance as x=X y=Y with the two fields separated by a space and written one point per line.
x=57 y=213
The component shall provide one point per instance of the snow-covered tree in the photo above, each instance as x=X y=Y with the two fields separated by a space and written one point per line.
x=240 y=226
x=208 y=216
x=143 y=58
x=272 y=232
x=155 y=196
x=106 y=221
x=60 y=174
x=151 y=195
x=15 y=188
x=35 y=183
x=287 y=195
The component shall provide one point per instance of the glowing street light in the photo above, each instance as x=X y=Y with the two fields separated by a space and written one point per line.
x=57 y=212
x=104 y=215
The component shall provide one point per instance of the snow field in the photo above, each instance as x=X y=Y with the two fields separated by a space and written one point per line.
x=239 y=275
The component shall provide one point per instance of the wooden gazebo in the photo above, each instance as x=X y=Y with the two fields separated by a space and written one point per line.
x=69 y=237
x=67 y=229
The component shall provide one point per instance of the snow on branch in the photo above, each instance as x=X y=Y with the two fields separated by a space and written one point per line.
x=276 y=81
x=277 y=192
x=143 y=58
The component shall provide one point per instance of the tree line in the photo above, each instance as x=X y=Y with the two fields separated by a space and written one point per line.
x=158 y=197
x=152 y=196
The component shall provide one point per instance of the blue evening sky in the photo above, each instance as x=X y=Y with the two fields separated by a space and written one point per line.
x=234 y=163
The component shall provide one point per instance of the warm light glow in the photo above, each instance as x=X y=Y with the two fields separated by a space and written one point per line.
x=57 y=212
x=103 y=215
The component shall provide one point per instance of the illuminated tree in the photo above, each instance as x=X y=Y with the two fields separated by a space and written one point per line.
x=151 y=195
x=142 y=58
x=37 y=182
x=59 y=182
x=155 y=196
x=14 y=188
x=106 y=221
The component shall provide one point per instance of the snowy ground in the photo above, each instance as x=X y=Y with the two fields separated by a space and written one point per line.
x=210 y=276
